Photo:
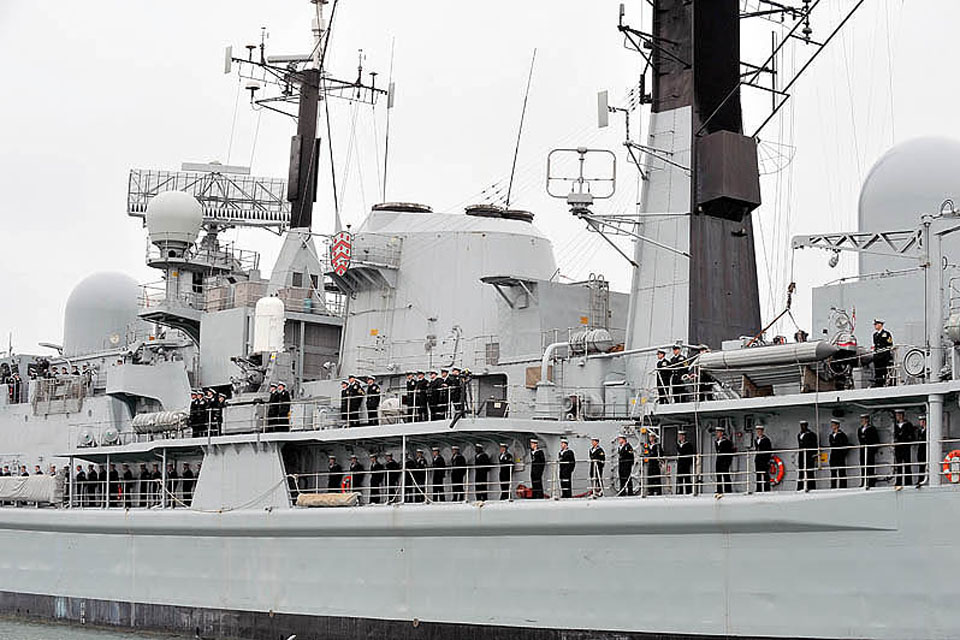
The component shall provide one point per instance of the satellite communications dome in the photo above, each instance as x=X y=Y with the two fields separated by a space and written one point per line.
x=174 y=218
x=100 y=312
x=268 y=324
x=911 y=179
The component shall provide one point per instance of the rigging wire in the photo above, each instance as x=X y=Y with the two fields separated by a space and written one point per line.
x=523 y=114
x=233 y=125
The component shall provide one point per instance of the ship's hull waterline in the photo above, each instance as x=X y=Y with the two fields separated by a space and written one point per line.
x=819 y=565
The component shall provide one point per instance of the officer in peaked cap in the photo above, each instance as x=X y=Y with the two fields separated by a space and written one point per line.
x=664 y=375
x=598 y=459
x=882 y=352
x=807 y=458
x=283 y=407
x=408 y=398
x=356 y=473
x=272 y=406
x=421 y=398
x=377 y=480
x=393 y=470
x=567 y=461
x=625 y=458
x=373 y=401
x=686 y=452
x=437 y=477
x=482 y=464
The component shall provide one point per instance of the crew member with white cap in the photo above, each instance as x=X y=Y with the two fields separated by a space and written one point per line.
x=538 y=462
x=567 y=461
x=921 y=439
x=839 y=444
x=882 y=353
x=902 y=443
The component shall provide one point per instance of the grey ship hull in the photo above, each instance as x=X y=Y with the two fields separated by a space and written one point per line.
x=821 y=565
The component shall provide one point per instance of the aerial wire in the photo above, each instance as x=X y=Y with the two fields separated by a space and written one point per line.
x=386 y=141
x=233 y=125
x=523 y=113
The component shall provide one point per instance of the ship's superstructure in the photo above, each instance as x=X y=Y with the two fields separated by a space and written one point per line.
x=586 y=463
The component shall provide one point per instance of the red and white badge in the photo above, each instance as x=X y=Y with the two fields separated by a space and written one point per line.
x=340 y=251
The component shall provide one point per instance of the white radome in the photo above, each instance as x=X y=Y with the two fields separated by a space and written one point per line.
x=174 y=217
x=100 y=307
x=911 y=179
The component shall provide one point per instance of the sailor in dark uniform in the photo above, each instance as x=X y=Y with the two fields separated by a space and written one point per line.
x=79 y=482
x=482 y=464
x=625 y=458
x=377 y=481
x=114 y=479
x=902 y=443
x=373 y=402
x=456 y=391
x=685 y=455
x=394 y=471
x=345 y=403
x=921 y=440
x=438 y=489
x=566 y=462
x=355 y=401
x=652 y=452
x=210 y=409
x=334 y=474
x=283 y=407
x=664 y=376
x=187 y=482
x=444 y=397
x=156 y=484
x=421 y=398
x=839 y=444
x=218 y=414
x=725 y=452
x=678 y=365
x=806 y=458
x=172 y=479
x=271 y=406
x=538 y=462
x=598 y=459
x=419 y=477
x=93 y=486
x=434 y=393
x=505 y=461
x=407 y=400
x=761 y=459
x=356 y=474
x=869 y=439
x=196 y=414
x=129 y=487
x=143 y=485
x=882 y=353
x=458 y=471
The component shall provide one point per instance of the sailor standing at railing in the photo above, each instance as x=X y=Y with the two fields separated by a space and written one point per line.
x=598 y=459
x=272 y=403
x=438 y=476
x=80 y=482
x=806 y=458
x=761 y=459
x=435 y=393
x=283 y=407
x=921 y=439
x=678 y=364
x=902 y=443
x=505 y=460
x=408 y=399
x=686 y=452
x=664 y=375
x=377 y=480
x=456 y=383
x=538 y=462
x=625 y=459
x=869 y=438
x=334 y=473
x=209 y=409
x=566 y=462
x=345 y=403
x=196 y=419
x=143 y=484
x=355 y=479
x=187 y=483
x=725 y=452
x=652 y=454
x=838 y=455
x=354 y=401
x=482 y=465
x=373 y=401
x=418 y=477
x=394 y=471
x=458 y=472
x=420 y=398
x=882 y=353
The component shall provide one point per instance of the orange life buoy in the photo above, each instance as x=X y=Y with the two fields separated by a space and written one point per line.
x=776 y=470
x=952 y=472
x=346 y=484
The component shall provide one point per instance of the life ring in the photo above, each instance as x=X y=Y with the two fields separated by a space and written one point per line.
x=524 y=492
x=952 y=472
x=776 y=470
x=346 y=484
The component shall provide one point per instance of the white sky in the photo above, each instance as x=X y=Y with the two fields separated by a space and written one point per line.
x=92 y=89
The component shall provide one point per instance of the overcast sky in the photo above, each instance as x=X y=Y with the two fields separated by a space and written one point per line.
x=92 y=89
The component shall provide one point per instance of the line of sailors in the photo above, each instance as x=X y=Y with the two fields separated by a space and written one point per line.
x=354 y=395
x=906 y=438
x=98 y=487
x=206 y=412
x=10 y=377
x=434 y=398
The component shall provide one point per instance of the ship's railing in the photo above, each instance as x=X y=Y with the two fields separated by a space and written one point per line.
x=136 y=493
x=643 y=477
x=226 y=256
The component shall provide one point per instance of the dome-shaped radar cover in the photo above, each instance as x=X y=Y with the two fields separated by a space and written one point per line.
x=101 y=306
x=174 y=216
x=911 y=179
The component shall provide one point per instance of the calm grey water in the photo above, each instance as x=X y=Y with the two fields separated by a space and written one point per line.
x=16 y=630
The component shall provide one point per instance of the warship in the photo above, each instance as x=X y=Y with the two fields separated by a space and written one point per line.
x=584 y=463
